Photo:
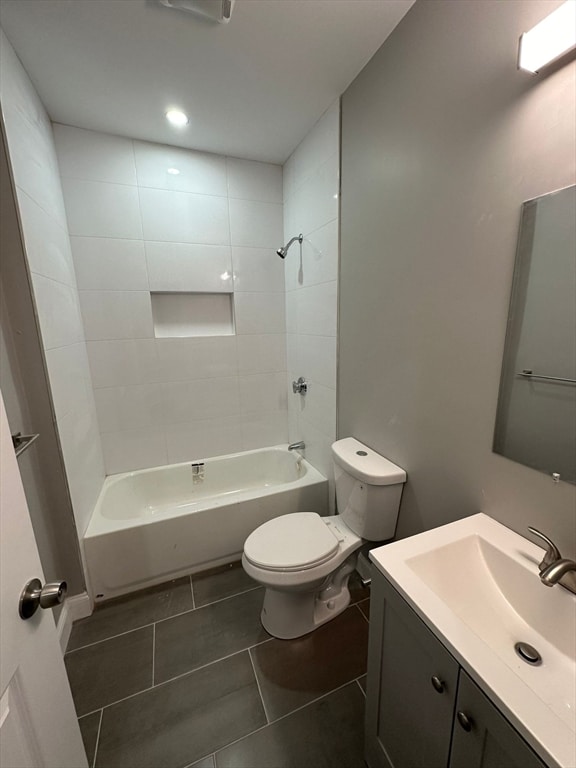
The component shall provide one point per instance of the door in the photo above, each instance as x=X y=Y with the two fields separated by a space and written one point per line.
x=412 y=681
x=38 y=726
x=482 y=736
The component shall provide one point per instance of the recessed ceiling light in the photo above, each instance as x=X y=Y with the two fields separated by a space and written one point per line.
x=173 y=171
x=176 y=117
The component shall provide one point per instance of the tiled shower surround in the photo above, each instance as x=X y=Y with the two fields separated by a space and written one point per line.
x=311 y=206
x=145 y=218
x=185 y=675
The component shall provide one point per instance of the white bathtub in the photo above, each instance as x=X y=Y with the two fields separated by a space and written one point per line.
x=157 y=524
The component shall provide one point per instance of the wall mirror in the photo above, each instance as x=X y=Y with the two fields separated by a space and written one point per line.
x=536 y=416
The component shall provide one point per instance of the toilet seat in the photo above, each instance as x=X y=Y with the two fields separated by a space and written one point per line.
x=294 y=542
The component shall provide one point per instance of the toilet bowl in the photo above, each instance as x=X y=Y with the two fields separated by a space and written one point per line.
x=305 y=560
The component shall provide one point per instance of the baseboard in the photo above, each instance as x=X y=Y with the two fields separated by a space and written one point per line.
x=74 y=608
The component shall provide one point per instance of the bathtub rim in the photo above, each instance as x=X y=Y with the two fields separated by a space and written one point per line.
x=100 y=525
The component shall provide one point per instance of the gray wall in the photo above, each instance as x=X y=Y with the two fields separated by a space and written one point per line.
x=442 y=141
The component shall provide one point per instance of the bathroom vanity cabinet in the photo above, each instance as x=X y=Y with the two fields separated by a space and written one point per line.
x=422 y=708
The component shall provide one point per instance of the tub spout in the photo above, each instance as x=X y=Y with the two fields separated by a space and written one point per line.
x=197 y=472
x=299 y=446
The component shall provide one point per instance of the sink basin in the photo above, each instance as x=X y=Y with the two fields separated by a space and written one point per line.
x=476 y=584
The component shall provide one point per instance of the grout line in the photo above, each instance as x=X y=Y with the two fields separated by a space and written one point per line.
x=283 y=717
x=229 y=597
x=192 y=591
x=361 y=689
x=258 y=686
x=112 y=637
x=214 y=602
x=209 y=663
x=98 y=738
x=117 y=701
x=308 y=703
x=177 y=677
x=210 y=754
x=362 y=612
x=153 y=651
x=143 y=626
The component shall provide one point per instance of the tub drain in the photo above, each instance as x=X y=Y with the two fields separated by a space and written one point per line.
x=528 y=653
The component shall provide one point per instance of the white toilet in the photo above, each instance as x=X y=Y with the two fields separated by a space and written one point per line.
x=305 y=560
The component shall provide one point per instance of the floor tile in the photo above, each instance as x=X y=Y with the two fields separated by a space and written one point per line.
x=89 y=727
x=292 y=673
x=173 y=725
x=189 y=641
x=208 y=762
x=365 y=608
x=225 y=581
x=132 y=611
x=110 y=670
x=328 y=733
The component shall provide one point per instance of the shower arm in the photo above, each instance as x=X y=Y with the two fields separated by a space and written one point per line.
x=284 y=249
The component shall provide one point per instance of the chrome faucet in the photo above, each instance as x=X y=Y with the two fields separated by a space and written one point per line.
x=297 y=446
x=555 y=569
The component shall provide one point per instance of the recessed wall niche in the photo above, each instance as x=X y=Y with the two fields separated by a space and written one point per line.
x=184 y=315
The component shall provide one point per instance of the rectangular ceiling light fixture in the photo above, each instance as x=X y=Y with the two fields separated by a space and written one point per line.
x=215 y=10
x=551 y=38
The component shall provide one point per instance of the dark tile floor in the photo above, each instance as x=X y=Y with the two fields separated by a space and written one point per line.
x=184 y=676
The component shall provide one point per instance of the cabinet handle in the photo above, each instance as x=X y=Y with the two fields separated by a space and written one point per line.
x=464 y=720
x=437 y=684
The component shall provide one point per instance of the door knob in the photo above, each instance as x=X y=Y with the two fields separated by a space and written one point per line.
x=35 y=596
x=464 y=720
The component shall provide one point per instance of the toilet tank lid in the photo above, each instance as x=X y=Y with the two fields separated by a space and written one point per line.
x=365 y=464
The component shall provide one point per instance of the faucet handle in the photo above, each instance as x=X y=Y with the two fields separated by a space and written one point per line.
x=552 y=551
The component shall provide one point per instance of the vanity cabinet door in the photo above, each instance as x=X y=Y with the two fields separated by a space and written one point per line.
x=482 y=736
x=411 y=687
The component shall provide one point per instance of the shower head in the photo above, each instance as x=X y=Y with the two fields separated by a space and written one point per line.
x=284 y=249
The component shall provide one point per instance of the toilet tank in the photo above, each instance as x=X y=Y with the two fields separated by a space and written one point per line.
x=368 y=489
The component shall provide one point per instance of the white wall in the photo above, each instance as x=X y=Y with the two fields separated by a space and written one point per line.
x=311 y=189
x=134 y=229
x=43 y=221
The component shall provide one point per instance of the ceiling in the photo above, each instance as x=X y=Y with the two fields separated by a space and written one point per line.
x=252 y=88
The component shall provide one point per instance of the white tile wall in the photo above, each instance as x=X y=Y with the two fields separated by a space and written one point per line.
x=184 y=217
x=255 y=224
x=199 y=172
x=258 y=312
x=133 y=449
x=257 y=269
x=105 y=263
x=116 y=315
x=206 y=437
x=264 y=353
x=204 y=358
x=132 y=407
x=47 y=243
x=311 y=189
x=189 y=267
x=248 y=180
x=211 y=228
x=262 y=392
x=110 y=159
x=39 y=196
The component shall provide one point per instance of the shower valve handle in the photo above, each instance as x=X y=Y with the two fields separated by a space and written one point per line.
x=300 y=387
